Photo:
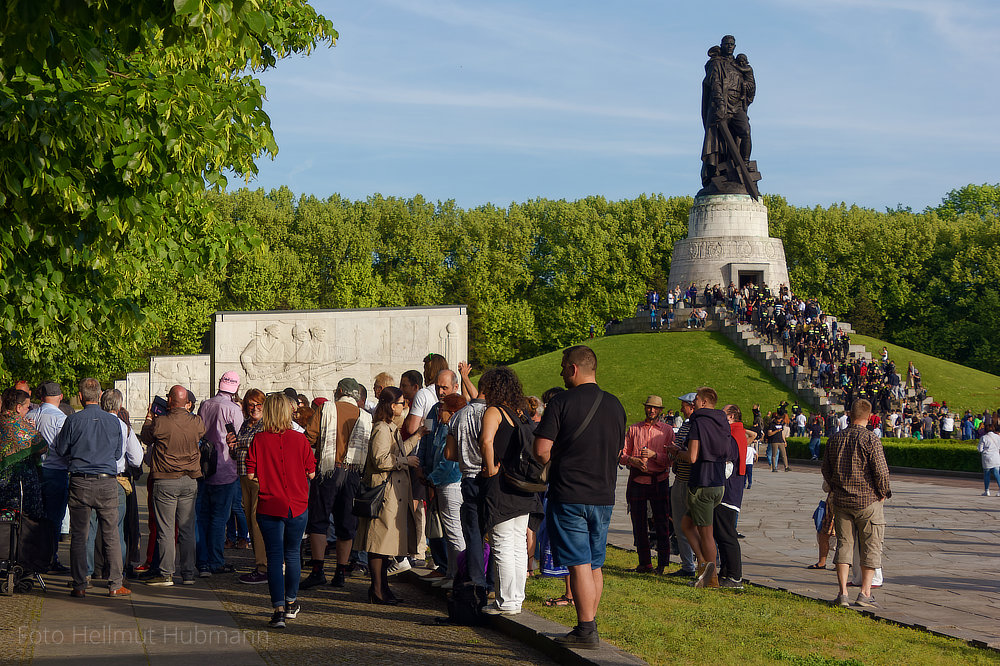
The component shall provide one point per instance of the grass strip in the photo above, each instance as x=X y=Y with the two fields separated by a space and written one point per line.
x=665 y=621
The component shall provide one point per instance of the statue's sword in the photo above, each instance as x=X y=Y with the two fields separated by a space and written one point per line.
x=737 y=159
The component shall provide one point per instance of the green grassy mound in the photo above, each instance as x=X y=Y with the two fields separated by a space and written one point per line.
x=669 y=365
x=963 y=388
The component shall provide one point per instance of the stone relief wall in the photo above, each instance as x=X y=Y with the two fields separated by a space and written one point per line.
x=311 y=350
x=191 y=372
x=137 y=397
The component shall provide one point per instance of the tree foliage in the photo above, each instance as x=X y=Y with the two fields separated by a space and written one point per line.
x=114 y=118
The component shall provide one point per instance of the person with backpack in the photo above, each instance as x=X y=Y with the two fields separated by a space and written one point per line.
x=509 y=504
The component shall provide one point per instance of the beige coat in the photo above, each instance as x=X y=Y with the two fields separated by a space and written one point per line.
x=394 y=532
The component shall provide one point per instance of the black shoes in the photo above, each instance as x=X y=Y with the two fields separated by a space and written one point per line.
x=292 y=609
x=312 y=580
x=579 y=640
x=339 y=577
x=682 y=572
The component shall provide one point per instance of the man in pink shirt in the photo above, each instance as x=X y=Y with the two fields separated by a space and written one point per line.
x=649 y=470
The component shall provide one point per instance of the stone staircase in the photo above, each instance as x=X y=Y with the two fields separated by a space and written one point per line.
x=768 y=355
x=771 y=357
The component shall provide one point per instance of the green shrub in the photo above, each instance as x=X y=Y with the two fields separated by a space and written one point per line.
x=943 y=454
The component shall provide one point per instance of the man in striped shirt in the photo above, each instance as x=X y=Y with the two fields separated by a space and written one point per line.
x=678 y=490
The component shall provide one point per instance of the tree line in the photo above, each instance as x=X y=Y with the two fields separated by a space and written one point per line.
x=535 y=275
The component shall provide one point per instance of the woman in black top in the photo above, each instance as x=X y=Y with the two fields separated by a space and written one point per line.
x=506 y=509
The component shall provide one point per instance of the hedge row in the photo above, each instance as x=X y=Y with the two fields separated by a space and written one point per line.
x=944 y=454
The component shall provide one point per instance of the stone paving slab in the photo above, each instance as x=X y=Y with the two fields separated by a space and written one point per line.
x=221 y=622
x=942 y=548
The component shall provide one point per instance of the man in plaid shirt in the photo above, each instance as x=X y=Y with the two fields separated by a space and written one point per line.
x=855 y=470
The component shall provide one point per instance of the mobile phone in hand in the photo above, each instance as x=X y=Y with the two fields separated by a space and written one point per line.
x=230 y=429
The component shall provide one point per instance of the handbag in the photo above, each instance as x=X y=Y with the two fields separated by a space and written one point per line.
x=435 y=530
x=368 y=502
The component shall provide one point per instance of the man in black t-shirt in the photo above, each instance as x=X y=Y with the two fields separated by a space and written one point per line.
x=581 y=433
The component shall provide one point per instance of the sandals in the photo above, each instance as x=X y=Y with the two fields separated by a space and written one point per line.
x=816 y=566
x=559 y=601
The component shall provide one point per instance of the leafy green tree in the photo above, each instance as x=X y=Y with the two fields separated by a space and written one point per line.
x=115 y=116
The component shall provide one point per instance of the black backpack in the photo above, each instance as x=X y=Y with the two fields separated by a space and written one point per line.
x=465 y=603
x=520 y=468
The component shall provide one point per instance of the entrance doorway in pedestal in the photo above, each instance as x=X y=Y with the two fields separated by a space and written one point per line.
x=750 y=277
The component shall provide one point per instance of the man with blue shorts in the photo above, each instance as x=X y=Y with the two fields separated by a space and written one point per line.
x=581 y=434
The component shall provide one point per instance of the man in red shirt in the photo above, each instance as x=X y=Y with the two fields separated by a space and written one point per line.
x=649 y=470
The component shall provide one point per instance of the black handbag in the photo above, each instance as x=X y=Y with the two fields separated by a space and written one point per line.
x=368 y=502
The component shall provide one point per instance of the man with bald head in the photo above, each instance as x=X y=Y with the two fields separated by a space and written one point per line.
x=174 y=465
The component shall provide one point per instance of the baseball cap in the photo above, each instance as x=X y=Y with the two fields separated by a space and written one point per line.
x=349 y=386
x=230 y=382
x=50 y=389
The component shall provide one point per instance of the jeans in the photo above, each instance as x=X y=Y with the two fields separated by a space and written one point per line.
x=283 y=543
x=92 y=534
x=449 y=502
x=678 y=507
x=773 y=451
x=749 y=479
x=510 y=561
x=995 y=472
x=814 y=447
x=86 y=494
x=173 y=507
x=215 y=503
x=236 y=526
x=472 y=533
x=55 y=495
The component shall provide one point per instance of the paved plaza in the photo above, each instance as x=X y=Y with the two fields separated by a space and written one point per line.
x=942 y=548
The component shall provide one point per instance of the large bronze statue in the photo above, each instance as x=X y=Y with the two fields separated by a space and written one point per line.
x=727 y=91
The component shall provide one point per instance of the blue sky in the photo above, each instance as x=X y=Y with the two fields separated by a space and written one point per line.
x=874 y=102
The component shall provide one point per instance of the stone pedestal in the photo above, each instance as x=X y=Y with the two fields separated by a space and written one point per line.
x=728 y=242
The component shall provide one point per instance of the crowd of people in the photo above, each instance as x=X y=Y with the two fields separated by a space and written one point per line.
x=438 y=461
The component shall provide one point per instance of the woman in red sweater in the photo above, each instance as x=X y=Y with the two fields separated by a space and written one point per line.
x=282 y=462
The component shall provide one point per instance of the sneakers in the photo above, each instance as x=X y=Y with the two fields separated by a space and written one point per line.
x=255 y=577
x=398 y=567
x=187 y=580
x=642 y=568
x=841 y=601
x=579 y=640
x=292 y=609
x=686 y=573
x=277 y=620
x=731 y=583
x=312 y=580
x=224 y=569
x=493 y=609
x=865 y=602
x=204 y=573
x=122 y=591
x=709 y=577
x=987 y=494
x=161 y=581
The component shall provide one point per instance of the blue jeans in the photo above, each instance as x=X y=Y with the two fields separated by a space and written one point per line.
x=215 y=503
x=92 y=534
x=814 y=447
x=55 y=495
x=283 y=543
x=995 y=473
x=236 y=527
